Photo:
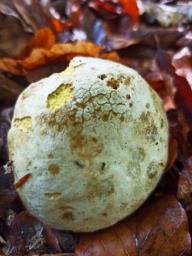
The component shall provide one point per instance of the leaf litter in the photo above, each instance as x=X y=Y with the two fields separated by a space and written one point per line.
x=39 y=38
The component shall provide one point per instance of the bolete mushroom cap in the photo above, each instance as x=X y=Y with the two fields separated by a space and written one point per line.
x=88 y=145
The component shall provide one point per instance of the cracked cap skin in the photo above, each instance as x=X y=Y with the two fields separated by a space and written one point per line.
x=94 y=139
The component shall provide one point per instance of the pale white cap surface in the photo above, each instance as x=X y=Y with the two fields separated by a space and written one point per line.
x=94 y=139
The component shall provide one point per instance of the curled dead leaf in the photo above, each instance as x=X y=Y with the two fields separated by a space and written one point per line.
x=64 y=52
x=10 y=65
x=158 y=229
x=43 y=50
x=44 y=53
x=44 y=38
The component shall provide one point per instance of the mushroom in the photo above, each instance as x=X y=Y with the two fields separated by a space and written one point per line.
x=88 y=145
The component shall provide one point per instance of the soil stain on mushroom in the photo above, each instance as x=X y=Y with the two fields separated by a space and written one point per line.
x=67 y=212
x=53 y=169
x=53 y=195
x=113 y=83
x=146 y=125
x=86 y=147
x=99 y=187
x=50 y=156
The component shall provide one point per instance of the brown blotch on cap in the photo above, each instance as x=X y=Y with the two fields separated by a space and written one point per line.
x=53 y=169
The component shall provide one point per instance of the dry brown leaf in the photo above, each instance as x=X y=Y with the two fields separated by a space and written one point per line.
x=44 y=38
x=13 y=37
x=172 y=152
x=182 y=61
x=60 y=241
x=61 y=52
x=11 y=65
x=7 y=7
x=9 y=89
x=160 y=229
x=32 y=13
x=52 y=240
x=42 y=51
x=185 y=183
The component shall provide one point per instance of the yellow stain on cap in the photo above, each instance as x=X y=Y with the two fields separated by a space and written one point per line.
x=24 y=123
x=52 y=195
x=58 y=97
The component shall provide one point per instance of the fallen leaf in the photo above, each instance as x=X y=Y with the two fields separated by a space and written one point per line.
x=45 y=70
x=167 y=15
x=60 y=241
x=130 y=7
x=63 y=15
x=116 y=35
x=111 y=9
x=32 y=13
x=106 y=9
x=52 y=240
x=172 y=155
x=162 y=84
x=185 y=40
x=183 y=95
x=44 y=38
x=13 y=36
x=64 y=52
x=9 y=89
x=67 y=240
x=10 y=65
x=23 y=233
x=182 y=62
x=108 y=6
x=58 y=54
x=179 y=129
x=58 y=25
x=158 y=229
x=23 y=180
x=185 y=183
x=7 y=198
x=7 y=7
